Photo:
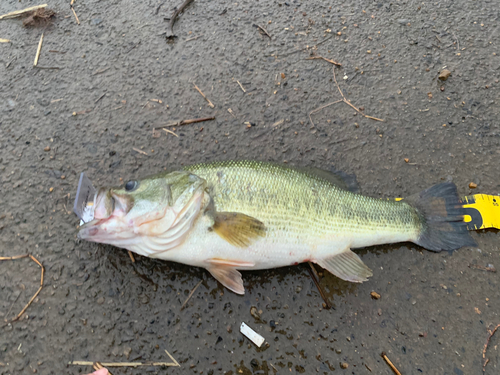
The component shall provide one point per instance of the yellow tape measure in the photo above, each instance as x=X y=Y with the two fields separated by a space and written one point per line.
x=483 y=211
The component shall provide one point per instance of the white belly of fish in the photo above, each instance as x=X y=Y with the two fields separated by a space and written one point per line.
x=278 y=249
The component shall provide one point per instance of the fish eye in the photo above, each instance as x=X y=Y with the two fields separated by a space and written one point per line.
x=131 y=185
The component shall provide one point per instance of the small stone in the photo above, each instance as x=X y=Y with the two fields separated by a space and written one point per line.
x=472 y=185
x=282 y=75
x=375 y=295
x=344 y=365
x=47 y=148
x=442 y=88
x=338 y=351
x=406 y=161
x=51 y=189
x=100 y=301
x=429 y=94
x=254 y=312
x=445 y=73
x=63 y=177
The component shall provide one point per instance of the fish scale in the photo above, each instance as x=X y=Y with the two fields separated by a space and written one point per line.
x=309 y=206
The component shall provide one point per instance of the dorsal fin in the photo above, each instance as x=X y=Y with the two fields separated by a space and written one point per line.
x=337 y=178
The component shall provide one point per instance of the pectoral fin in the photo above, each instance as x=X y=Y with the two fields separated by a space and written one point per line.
x=347 y=266
x=229 y=277
x=238 y=229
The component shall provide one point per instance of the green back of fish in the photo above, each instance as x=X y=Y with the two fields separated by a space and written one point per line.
x=297 y=202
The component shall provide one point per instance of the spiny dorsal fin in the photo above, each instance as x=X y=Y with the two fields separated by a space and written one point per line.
x=337 y=178
x=238 y=229
x=347 y=266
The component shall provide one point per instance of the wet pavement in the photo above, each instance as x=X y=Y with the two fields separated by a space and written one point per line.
x=119 y=82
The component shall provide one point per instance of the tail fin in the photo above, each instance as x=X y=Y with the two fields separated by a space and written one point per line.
x=442 y=212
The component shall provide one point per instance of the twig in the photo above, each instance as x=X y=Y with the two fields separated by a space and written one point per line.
x=14 y=257
x=131 y=48
x=194 y=37
x=174 y=17
x=343 y=100
x=98 y=366
x=13 y=303
x=187 y=122
x=173 y=359
x=131 y=255
x=19 y=13
x=171 y=132
x=190 y=295
x=202 y=94
x=307 y=48
x=39 y=49
x=458 y=44
x=102 y=96
x=41 y=281
x=139 y=151
x=241 y=86
x=396 y=371
x=76 y=17
x=489 y=269
x=158 y=8
x=264 y=30
x=4 y=40
x=486 y=346
x=100 y=71
x=315 y=277
x=174 y=363
x=322 y=107
x=324 y=58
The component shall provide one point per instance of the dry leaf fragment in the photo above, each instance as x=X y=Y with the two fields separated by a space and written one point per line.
x=445 y=73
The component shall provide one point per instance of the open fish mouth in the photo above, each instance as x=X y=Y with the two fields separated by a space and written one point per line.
x=110 y=211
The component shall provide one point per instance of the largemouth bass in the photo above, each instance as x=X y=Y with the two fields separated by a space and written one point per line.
x=248 y=215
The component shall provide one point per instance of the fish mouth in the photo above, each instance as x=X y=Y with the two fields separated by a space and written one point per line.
x=109 y=212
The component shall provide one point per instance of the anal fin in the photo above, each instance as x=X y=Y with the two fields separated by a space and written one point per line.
x=347 y=266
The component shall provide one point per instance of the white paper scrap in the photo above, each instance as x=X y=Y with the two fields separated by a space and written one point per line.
x=252 y=335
